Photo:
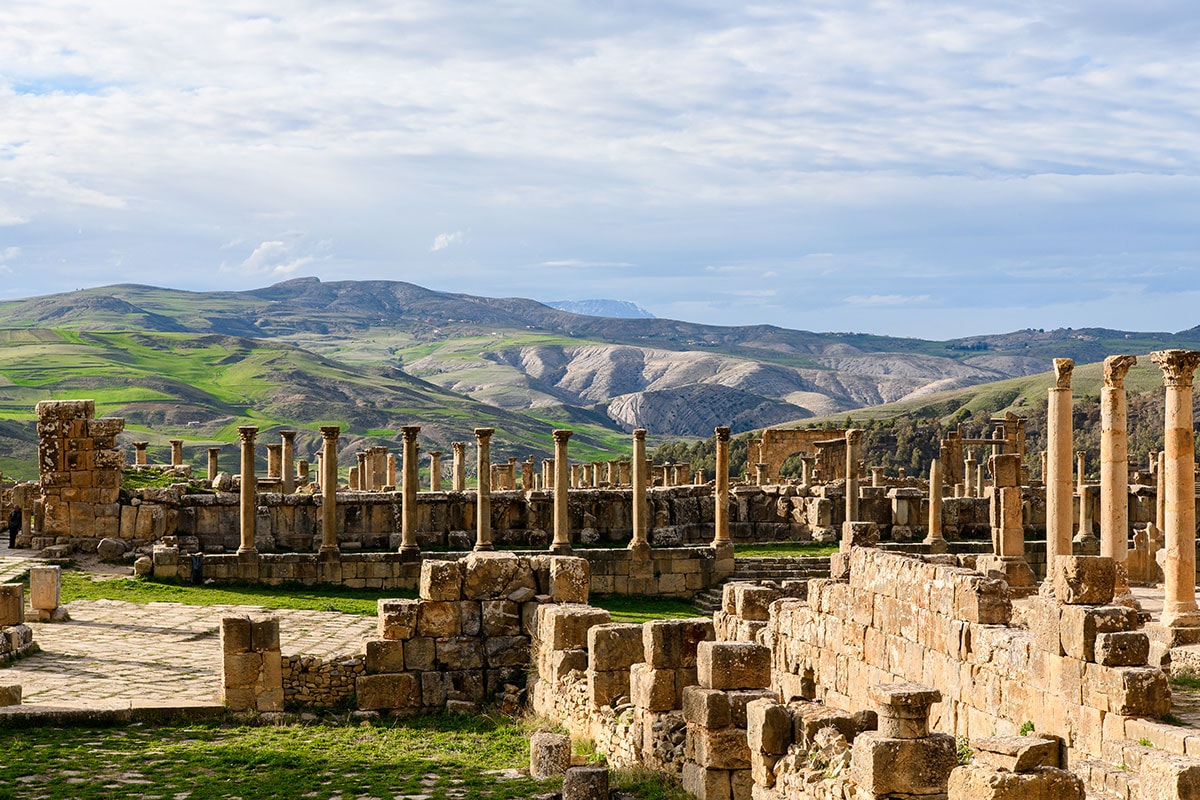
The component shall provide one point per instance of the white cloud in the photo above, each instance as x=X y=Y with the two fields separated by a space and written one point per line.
x=887 y=299
x=9 y=253
x=274 y=259
x=444 y=240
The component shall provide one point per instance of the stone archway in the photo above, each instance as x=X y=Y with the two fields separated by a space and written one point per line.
x=779 y=443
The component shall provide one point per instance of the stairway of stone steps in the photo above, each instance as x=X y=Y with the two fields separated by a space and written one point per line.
x=757 y=570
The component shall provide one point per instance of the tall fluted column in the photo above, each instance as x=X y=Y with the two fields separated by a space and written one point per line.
x=641 y=507
x=410 y=467
x=483 y=494
x=969 y=477
x=1058 y=454
x=1179 y=571
x=1160 y=493
x=562 y=481
x=1114 y=460
x=213 y=454
x=274 y=460
x=458 y=480
x=935 y=539
x=853 y=454
x=547 y=473
x=435 y=470
x=721 y=511
x=249 y=489
x=329 y=482
x=176 y=452
x=288 y=469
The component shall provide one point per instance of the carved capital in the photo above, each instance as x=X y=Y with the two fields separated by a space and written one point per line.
x=1178 y=366
x=722 y=434
x=409 y=432
x=1115 y=368
x=330 y=432
x=854 y=437
x=1063 y=367
x=435 y=454
x=287 y=436
x=639 y=434
x=459 y=448
x=561 y=436
x=483 y=434
x=247 y=433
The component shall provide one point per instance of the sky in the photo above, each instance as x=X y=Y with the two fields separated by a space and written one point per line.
x=934 y=169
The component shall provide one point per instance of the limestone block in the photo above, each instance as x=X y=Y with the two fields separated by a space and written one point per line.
x=753 y=602
x=1015 y=753
x=1169 y=776
x=604 y=687
x=492 y=575
x=384 y=655
x=235 y=634
x=10 y=695
x=768 y=727
x=565 y=627
x=982 y=600
x=464 y=685
x=1122 y=649
x=614 y=646
x=1043 y=616
x=506 y=651
x=393 y=691
x=419 y=653
x=808 y=718
x=439 y=619
x=459 y=653
x=570 y=579
x=980 y=782
x=903 y=709
x=1078 y=626
x=672 y=643
x=882 y=766
x=501 y=618
x=741 y=784
x=433 y=689
x=398 y=618
x=856 y=533
x=166 y=559
x=740 y=698
x=652 y=689
x=470 y=612
x=720 y=748
x=1084 y=580
x=586 y=783
x=264 y=633
x=733 y=665
x=549 y=755
x=706 y=784
x=1133 y=691
x=707 y=708
x=560 y=663
x=440 y=580
x=242 y=670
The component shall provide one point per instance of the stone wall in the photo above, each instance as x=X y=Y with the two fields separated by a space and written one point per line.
x=80 y=468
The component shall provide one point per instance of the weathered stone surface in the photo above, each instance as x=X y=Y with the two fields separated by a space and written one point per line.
x=10 y=695
x=235 y=634
x=614 y=646
x=384 y=655
x=394 y=691
x=491 y=575
x=565 y=627
x=12 y=604
x=501 y=618
x=882 y=766
x=1169 y=776
x=440 y=580
x=606 y=687
x=980 y=782
x=733 y=665
x=768 y=727
x=652 y=689
x=707 y=708
x=1122 y=649
x=45 y=587
x=586 y=783
x=1079 y=625
x=111 y=549
x=549 y=755
x=439 y=619
x=672 y=643
x=1015 y=753
x=720 y=748
x=570 y=579
x=706 y=784
x=1084 y=580
x=398 y=618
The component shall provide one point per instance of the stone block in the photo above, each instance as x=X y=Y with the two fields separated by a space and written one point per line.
x=470 y=613
x=706 y=784
x=720 y=748
x=506 y=651
x=1122 y=649
x=264 y=633
x=1084 y=580
x=740 y=698
x=614 y=646
x=549 y=755
x=881 y=766
x=903 y=709
x=768 y=727
x=1163 y=775
x=570 y=579
x=707 y=708
x=980 y=782
x=45 y=587
x=459 y=653
x=1134 y=691
x=12 y=604
x=501 y=618
x=751 y=601
x=1015 y=753
x=982 y=600
x=399 y=690
x=440 y=580
x=419 y=653
x=10 y=694
x=1079 y=625
x=652 y=689
x=1043 y=616
x=733 y=665
x=242 y=670
x=808 y=718
x=384 y=655
x=492 y=575
x=606 y=687
x=235 y=634
x=439 y=619
x=672 y=643
x=589 y=782
x=398 y=618
x=561 y=663
x=565 y=627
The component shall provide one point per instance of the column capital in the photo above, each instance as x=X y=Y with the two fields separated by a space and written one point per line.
x=1178 y=366
x=1062 y=372
x=330 y=431
x=639 y=434
x=562 y=435
x=247 y=432
x=214 y=450
x=141 y=445
x=722 y=434
x=435 y=453
x=409 y=432
x=180 y=441
x=1115 y=368
x=483 y=434
x=287 y=434
x=853 y=436
x=458 y=447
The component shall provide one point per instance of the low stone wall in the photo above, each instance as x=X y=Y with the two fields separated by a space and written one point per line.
x=16 y=638
x=311 y=682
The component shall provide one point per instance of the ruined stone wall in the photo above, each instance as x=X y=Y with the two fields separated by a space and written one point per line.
x=80 y=468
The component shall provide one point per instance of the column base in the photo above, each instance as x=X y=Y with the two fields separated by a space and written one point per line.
x=483 y=547
x=937 y=546
x=409 y=552
x=561 y=548
x=1012 y=569
x=329 y=550
x=639 y=550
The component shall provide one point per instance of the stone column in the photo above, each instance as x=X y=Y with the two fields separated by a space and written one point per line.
x=547 y=473
x=574 y=476
x=1160 y=493
x=760 y=474
x=806 y=469
x=329 y=481
x=459 y=478
x=483 y=494
x=363 y=482
x=1080 y=466
x=384 y=469
x=935 y=539
x=1114 y=466
x=249 y=505
x=562 y=518
x=391 y=470
x=408 y=519
x=510 y=473
x=721 y=511
x=139 y=453
x=435 y=470
x=176 y=452
x=1179 y=571
x=274 y=460
x=641 y=508
x=876 y=476
x=528 y=475
x=289 y=461
x=1058 y=453
x=213 y=454
x=302 y=471
x=969 y=475
x=1008 y=533
x=623 y=473
x=853 y=453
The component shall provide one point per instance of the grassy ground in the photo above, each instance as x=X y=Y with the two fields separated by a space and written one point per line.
x=81 y=586
x=777 y=549
x=439 y=758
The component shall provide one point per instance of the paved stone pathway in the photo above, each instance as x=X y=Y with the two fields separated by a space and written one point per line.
x=12 y=567
x=112 y=652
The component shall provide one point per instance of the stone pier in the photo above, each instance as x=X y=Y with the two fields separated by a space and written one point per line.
x=435 y=470
x=139 y=453
x=935 y=538
x=275 y=461
x=459 y=478
x=408 y=519
x=483 y=494
x=249 y=490
x=1059 y=521
x=176 y=452
x=641 y=527
x=721 y=495
x=562 y=518
x=288 y=472
x=329 y=482
x=214 y=453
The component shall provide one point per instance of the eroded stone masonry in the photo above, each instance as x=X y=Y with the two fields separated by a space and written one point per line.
x=979 y=634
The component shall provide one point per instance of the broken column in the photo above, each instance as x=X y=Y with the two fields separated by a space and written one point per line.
x=721 y=498
x=641 y=508
x=391 y=469
x=562 y=518
x=853 y=454
x=902 y=757
x=459 y=477
x=1058 y=455
x=435 y=470
x=176 y=452
x=139 y=453
x=287 y=468
x=408 y=519
x=1008 y=536
x=329 y=482
x=274 y=460
x=213 y=454
x=934 y=538
x=249 y=490
x=969 y=474
x=483 y=492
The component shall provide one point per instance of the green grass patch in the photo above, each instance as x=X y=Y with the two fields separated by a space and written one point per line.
x=149 y=479
x=639 y=608
x=79 y=586
x=778 y=549
x=1186 y=682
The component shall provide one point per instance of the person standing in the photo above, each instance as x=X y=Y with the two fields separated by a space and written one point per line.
x=14 y=526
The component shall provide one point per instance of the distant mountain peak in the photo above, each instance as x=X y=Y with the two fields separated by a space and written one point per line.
x=620 y=309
